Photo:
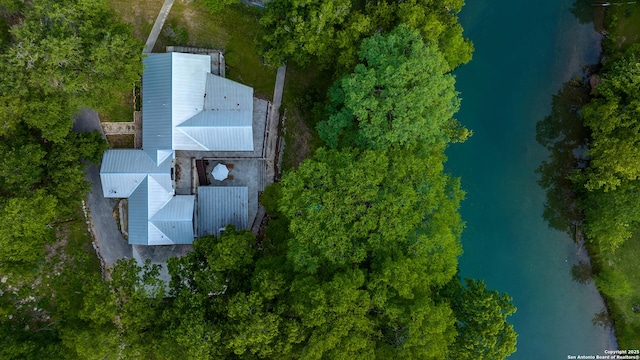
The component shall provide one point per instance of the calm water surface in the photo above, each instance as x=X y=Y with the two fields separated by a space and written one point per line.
x=525 y=50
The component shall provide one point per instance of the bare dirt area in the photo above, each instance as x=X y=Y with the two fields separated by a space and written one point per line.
x=121 y=141
x=298 y=137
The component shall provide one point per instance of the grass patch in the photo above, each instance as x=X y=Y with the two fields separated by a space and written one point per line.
x=235 y=29
x=623 y=23
x=303 y=98
x=141 y=14
x=120 y=111
x=121 y=141
x=626 y=320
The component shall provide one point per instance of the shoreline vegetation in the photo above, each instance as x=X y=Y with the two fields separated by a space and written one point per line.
x=359 y=257
x=602 y=186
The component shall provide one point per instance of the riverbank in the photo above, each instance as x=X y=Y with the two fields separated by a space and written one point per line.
x=616 y=272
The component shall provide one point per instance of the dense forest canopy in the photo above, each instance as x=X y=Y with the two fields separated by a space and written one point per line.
x=611 y=181
x=359 y=258
x=330 y=31
x=60 y=57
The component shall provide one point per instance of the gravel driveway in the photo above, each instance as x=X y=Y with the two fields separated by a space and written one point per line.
x=111 y=245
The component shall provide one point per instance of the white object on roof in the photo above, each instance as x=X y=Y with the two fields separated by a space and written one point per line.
x=220 y=172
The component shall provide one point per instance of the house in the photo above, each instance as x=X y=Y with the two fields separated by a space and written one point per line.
x=185 y=108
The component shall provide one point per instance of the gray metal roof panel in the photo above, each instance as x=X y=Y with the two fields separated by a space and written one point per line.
x=225 y=94
x=131 y=161
x=219 y=206
x=156 y=103
x=138 y=215
x=221 y=118
x=189 y=77
x=120 y=185
x=179 y=208
x=221 y=138
x=122 y=171
x=170 y=232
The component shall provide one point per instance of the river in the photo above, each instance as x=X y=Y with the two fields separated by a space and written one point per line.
x=525 y=51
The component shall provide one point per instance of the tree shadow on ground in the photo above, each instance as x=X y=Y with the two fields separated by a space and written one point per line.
x=563 y=134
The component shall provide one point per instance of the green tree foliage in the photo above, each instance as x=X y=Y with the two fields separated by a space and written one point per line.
x=65 y=55
x=119 y=314
x=481 y=322
x=331 y=31
x=609 y=185
x=437 y=22
x=21 y=165
x=612 y=217
x=613 y=284
x=399 y=95
x=228 y=304
x=299 y=28
x=393 y=216
x=613 y=117
x=24 y=227
x=11 y=6
x=344 y=206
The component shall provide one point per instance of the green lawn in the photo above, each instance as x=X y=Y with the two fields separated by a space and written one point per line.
x=627 y=322
x=302 y=91
x=624 y=27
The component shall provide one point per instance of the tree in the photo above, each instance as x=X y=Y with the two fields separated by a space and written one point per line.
x=390 y=216
x=332 y=30
x=21 y=166
x=613 y=117
x=236 y=306
x=300 y=28
x=24 y=227
x=65 y=164
x=120 y=314
x=609 y=185
x=481 y=322
x=612 y=217
x=401 y=95
x=436 y=21
x=87 y=57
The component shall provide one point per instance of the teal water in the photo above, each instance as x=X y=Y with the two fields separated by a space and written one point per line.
x=525 y=50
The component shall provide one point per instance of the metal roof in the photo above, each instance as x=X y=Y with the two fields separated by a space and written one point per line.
x=219 y=206
x=174 y=221
x=122 y=171
x=185 y=107
x=138 y=217
x=224 y=95
x=156 y=217
x=156 y=104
